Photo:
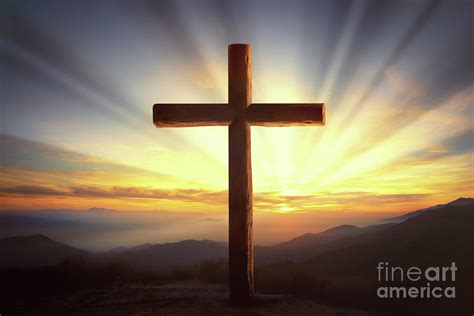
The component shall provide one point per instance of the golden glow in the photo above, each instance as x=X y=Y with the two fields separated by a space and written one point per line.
x=386 y=155
x=286 y=209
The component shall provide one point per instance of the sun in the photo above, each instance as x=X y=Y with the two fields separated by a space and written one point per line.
x=285 y=209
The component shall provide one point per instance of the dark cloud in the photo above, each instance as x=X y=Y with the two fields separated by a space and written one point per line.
x=264 y=200
x=23 y=154
x=321 y=200
x=460 y=144
x=210 y=219
x=188 y=195
x=31 y=190
x=454 y=146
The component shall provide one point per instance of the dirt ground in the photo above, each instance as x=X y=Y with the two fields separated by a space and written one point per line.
x=176 y=298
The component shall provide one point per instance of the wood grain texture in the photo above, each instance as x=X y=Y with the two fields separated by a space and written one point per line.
x=239 y=114
x=189 y=115
x=240 y=213
x=296 y=114
x=240 y=75
x=240 y=177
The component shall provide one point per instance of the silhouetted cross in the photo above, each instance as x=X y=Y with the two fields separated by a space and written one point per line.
x=239 y=114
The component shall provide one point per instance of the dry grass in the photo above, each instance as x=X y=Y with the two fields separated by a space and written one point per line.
x=189 y=298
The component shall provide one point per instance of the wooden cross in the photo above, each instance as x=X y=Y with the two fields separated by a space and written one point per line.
x=239 y=114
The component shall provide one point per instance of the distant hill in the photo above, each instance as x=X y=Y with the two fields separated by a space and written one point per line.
x=458 y=202
x=312 y=238
x=124 y=249
x=337 y=265
x=308 y=246
x=106 y=228
x=436 y=236
x=345 y=272
x=34 y=250
x=331 y=234
x=39 y=250
x=182 y=253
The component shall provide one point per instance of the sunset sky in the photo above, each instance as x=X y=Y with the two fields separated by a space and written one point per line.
x=79 y=78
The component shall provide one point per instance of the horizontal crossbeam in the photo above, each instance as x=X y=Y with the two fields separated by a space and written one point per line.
x=259 y=114
x=188 y=115
x=293 y=114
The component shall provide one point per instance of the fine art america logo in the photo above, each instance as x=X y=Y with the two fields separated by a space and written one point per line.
x=434 y=281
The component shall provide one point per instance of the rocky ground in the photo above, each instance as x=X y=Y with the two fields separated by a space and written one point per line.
x=176 y=298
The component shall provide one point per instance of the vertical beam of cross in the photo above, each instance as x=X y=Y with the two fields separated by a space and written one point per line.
x=240 y=176
x=239 y=114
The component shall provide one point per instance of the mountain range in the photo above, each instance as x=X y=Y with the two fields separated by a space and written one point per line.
x=337 y=266
x=458 y=202
x=448 y=227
